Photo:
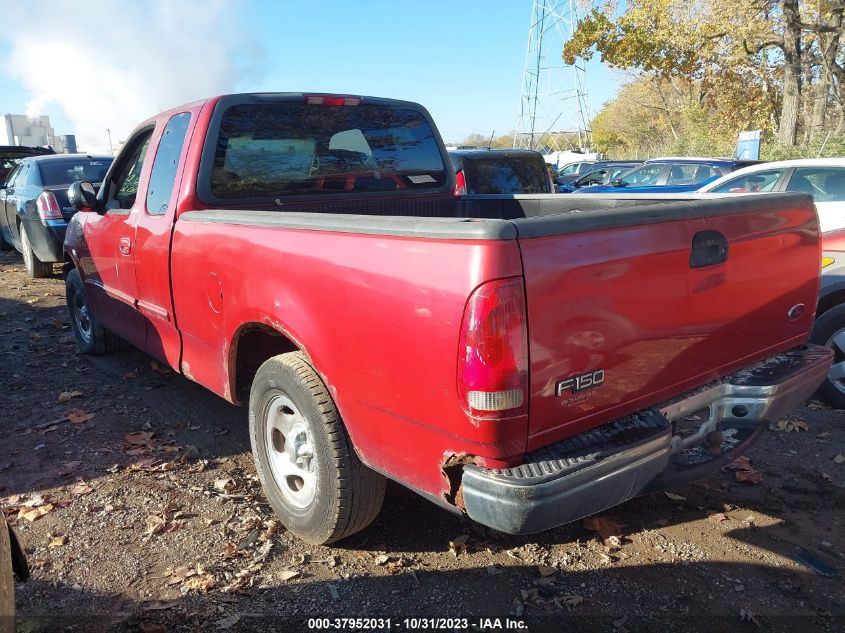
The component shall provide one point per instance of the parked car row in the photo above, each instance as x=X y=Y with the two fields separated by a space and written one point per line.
x=34 y=208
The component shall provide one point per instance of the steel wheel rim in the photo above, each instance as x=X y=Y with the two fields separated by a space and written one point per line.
x=289 y=448
x=82 y=316
x=836 y=374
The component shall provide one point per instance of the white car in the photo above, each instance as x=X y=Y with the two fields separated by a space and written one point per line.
x=823 y=178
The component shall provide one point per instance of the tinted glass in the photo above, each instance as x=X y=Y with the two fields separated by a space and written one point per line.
x=595 y=177
x=505 y=174
x=685 y=175
x=166 y=162
x=751 y=183
x=645 y=175
x=274 y=149
x=825 y=184
x=66 y=171
x=570 y=170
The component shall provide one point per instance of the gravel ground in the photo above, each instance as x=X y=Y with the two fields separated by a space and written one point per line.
x=134 y=493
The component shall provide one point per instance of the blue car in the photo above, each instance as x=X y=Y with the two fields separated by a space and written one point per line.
x=671 y=175
x=601 y=174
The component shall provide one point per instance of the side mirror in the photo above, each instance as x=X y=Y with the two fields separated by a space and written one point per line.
x=82 y=196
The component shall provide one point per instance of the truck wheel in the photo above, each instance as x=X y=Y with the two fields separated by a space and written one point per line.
x=91 y=337
x=829 y=330
x=310 y=473
x=35 y=268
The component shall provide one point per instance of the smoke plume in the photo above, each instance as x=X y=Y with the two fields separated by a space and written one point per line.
x=110 y=65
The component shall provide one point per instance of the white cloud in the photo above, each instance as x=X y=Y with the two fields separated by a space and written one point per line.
x=113 y=64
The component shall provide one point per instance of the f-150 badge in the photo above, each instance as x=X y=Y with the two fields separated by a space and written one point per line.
x=582 y=382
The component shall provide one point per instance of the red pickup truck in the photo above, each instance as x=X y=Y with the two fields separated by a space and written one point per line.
x=524 y=360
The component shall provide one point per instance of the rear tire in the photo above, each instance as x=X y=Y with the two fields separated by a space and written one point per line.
x=829 y=330
x=35 y=268
x=306 y=463
x=91 y=337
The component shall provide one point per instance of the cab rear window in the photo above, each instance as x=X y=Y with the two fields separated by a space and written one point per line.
x=286 y=148
x=505 y=174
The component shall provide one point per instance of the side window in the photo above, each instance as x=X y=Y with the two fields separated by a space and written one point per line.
x=166 y=162
x=124 y=183
x=825 y=184
x=682 y=175
x=751 y=183
x=12 y=178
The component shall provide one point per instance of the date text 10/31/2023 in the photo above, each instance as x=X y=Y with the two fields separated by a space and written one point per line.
x=417 y=624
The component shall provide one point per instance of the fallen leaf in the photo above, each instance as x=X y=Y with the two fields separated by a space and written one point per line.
x=546 y=570
x=606 y=526
x=383 y=559
x=674 y=497
x=68 y=395
x=751 y=476
x=57 y=541
x=740 y=463
x=458 y=545
x=159 y=368
x=201 y=582
x=789 y=425
x=130 y=375
x=288 y=574
x=839 y=459
x=78 y=416
x=613 y=543
x=569 y=600
x=140 y=438
x=718 y=517
x=746 y=616
x=224 y=485
x=81 y=489
x=36 y=513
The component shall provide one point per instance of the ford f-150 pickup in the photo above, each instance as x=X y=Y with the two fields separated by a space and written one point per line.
x=526 y=360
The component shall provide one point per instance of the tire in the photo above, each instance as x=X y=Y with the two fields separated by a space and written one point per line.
x=91 y=337
x=310 y=473
x=35 y=268
x=829 y=330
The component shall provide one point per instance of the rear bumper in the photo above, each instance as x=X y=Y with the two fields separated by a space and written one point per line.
x=665 y=446
x=46 y=238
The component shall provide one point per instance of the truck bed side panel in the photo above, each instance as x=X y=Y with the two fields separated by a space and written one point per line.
x=378 y=315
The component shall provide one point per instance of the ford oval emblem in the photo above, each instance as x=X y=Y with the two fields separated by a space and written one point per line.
x=796 y=311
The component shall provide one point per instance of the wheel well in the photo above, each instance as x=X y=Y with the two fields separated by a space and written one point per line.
x=67 y=264
x=830 y=301
x=254 y=343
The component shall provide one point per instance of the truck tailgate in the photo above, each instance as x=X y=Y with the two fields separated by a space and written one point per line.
x=629 y=307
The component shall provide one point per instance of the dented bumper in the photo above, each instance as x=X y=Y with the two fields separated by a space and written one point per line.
x=665 y=446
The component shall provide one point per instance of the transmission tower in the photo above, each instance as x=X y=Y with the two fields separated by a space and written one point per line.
x=553 y=106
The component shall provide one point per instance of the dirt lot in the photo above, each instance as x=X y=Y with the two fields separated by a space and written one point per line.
x=134 y=492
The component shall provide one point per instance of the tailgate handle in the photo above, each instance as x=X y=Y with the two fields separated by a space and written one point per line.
x=708 y=248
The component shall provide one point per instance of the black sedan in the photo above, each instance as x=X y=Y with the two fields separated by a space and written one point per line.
x=34 y=209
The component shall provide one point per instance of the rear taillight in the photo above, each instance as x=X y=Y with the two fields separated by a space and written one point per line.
x=332 y=100
x=48 y=206
x=493 y=352
x=460 y=183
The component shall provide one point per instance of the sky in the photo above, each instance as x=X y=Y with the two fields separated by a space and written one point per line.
x=107 y=65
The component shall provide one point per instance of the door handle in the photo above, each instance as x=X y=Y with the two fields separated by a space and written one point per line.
x=125 y=245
